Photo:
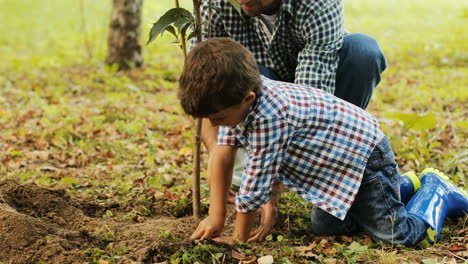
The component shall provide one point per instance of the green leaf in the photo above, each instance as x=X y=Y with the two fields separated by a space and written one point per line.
x=415 y=121
x=236 y=6
x=183 y=23
x=434 y=144
x=171 y=29
x=16 y=153
x=69 y=181
x=167 y=19
x=192 y=35
x=429 y=261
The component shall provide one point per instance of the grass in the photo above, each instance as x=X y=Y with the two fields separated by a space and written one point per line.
x=69 y=121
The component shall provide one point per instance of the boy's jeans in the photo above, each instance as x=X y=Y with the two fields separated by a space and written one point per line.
x=377 y=208
x=360 y=65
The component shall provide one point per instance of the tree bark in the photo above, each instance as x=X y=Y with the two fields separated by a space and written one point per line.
x=124 y=47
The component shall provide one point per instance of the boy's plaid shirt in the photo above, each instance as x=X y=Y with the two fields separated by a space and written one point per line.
x=315 y=143
x=306 y=40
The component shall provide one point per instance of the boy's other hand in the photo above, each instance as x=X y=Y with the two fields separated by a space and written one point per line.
x=268 y=213
x=231 y=197
x=208 y=228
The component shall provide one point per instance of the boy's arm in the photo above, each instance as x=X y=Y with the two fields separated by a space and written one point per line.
x=220 y=166
x=268 y=214
x=243 y=225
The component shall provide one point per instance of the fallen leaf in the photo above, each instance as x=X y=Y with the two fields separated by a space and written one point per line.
x=457 y=247
x=368 y=240
x=330 y=260
x=185 y=151
x=330 y=251
x=139 y=219
x=237 y=255
x=101 y=261
x=248 y=260
x=347 y=239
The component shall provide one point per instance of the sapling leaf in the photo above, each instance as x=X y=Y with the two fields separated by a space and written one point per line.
x=192 y=35
x=182 y=23
x=236 y=6
x=171 y=29
x=167 y=19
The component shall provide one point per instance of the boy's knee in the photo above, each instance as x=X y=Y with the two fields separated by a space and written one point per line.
x=324 y=224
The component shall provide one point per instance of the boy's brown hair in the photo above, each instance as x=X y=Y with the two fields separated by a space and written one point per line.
x=218 y=73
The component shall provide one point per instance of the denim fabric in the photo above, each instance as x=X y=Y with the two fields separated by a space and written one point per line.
x=377 y=208
x=360 y=65
x=359 y=69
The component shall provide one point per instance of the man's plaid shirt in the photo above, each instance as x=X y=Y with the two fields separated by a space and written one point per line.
x=315 y=143
x=306 y=39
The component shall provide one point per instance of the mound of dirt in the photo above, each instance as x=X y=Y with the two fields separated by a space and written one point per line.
x=38 y=224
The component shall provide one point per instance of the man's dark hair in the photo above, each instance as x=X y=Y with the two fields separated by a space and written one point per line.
x=218 y=73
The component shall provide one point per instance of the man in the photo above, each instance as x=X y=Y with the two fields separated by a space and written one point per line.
x=300 y=41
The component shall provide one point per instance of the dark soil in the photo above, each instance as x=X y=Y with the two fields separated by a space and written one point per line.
x=38 y=224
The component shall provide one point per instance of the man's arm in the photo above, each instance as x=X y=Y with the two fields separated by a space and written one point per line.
x=318 y=61
x=220 y=166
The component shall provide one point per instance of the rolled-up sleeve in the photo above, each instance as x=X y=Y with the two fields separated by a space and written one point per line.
x=318 y=61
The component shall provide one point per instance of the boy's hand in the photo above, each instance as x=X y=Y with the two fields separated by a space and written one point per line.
x=231 y=197
x=208 y=228
x=268 y=213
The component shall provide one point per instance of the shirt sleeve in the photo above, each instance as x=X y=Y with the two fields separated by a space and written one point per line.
x=267 y=142
x=227 y=137
x=318 y=61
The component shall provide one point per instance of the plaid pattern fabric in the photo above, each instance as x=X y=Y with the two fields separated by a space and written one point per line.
x=312 y=141
x=306 y=40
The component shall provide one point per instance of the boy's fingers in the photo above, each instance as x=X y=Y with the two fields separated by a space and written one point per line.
x=198 y=233
x=255 y=235
x=255 y=232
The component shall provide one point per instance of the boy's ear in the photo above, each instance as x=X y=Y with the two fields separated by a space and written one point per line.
x=250 y=97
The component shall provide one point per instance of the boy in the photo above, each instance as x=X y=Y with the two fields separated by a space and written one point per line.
x=331 y=153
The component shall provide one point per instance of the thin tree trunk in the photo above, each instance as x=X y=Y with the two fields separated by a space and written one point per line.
x=198 y=128
x=124 y=34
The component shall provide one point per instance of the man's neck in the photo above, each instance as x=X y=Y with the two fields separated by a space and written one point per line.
x=275 y=7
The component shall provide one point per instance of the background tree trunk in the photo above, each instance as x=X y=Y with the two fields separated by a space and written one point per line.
x=124 y=34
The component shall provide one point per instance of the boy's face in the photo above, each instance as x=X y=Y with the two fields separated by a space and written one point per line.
x=233 y=115
x=256 y=7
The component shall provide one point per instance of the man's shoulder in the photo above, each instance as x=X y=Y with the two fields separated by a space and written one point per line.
x=311 y=7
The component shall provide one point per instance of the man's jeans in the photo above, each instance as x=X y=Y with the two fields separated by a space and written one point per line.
x=360 y=65
x=377 y=208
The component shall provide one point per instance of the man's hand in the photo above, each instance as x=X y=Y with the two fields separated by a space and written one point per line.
x=268 y=213
x=208 y=228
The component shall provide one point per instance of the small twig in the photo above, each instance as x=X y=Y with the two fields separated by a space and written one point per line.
x=182 y=35
x=209 y=18
x=198 y=129
x=455 y=255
